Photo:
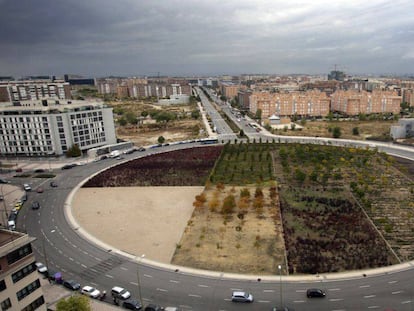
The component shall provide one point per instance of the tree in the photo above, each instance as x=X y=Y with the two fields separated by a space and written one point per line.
x=74 y=151
x=74 y=303
x=122 y=121
x=241 y=133
x=195 y=114
x=258 y=114
x=355 y=131
x=161 y=139
x=336 y=132
x=229 y=203
x=144 y=114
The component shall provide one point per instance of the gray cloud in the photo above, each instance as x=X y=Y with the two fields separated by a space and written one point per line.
x=129 y=37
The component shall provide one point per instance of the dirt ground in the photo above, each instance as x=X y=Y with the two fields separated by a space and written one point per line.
x=136 y=220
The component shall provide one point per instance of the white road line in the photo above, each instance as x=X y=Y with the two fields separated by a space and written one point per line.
x=148 y=276
x=370 y=296
x=195 y=296
x=71 y=259
x=236 y=289
x=109 y=276
x=364 y=286
x=201 y=285
x=397 y=292
x=298 y=301
x=264 y=301
x=373 y=307
x=162 y=290
x=333 y=289
x=174 y=281
x=392 y=282
x=336 y=299
x=338 y=310
x=94 y=270
x=125 y=269
x=268 y=291
x=133 y=283
x=405 y=302
x=83 y=265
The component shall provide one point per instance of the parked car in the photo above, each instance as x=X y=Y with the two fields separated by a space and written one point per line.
x=4 y=181
x=91 y=292
x=41 y=268
x=53 y=184
x=68 y=166
x=39 y=170
x=27 y=187
x=35 y=205
x=120 y=292
x=132 y=304
x=241 y=297
x=315 y=292
x=39 y=190
x=71 y=284
x=153 y=307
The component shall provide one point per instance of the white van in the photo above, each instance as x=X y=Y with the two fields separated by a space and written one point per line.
x=11 y=225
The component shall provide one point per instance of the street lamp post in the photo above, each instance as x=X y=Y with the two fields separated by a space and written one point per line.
x=138 y=280
x=280 y=285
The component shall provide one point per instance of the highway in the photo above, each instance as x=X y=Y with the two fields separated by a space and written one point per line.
x=64 y=249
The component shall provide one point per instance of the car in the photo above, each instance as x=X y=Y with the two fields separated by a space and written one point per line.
x=315 y=293
x=90 y=291
x=39 y=170
x=19 y=170
x=41 y=268
x=53 y=184
x=27 y=187
x=153 y=307
x=68 y=166
x=141 y=149
x=35 y=205
x=39 y=190
x=71 y=284
x=120 y=292
x=132 y=304
x=241 y=297
x=4 y=181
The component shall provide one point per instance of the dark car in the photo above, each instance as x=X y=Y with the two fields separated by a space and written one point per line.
x=315 y=293
x=53 y=184
x=153 y=307
x=68 y=166
x=132 y=304
x=39 y=170
x=71 y=284
x=35 y=205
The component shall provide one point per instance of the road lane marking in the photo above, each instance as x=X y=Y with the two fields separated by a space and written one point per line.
x=370 y=296
x=333 y=289
x=268 y=291
x=109 y=276
x=392 y=282
x=123 y=268
x=148 y=276
x=264 y=301
x=364 y=286
x=201 y=285
x=373 y=307
x=195 y=296
x=336 y=299
x=174 y=281
x=133 y=283
x=405 y=302
x=83 y=265
x=236 y=289
x=71 y=259
x=397 y=292
x=298 y=301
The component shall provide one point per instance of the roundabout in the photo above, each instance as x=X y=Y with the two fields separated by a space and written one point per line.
x=97 y=262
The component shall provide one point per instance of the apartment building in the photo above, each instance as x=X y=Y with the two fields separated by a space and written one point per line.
x=33 y=90
x=352 y=102
x=133 y=87
x=229 y=89
x=310 y=103
x=20 y=287
x=51 y=127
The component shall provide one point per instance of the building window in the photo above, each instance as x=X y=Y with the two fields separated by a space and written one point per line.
x=17 y=276
x=28 y=290
x=2 y=285
x=19 y=254
x=6 y=304
x=35 y=304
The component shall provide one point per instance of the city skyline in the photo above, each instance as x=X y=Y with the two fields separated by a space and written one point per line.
x=126 y=37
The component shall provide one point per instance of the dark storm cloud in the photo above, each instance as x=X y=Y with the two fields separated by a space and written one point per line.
x=101 y=37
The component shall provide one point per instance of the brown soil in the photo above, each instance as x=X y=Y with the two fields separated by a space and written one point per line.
x=245 y=241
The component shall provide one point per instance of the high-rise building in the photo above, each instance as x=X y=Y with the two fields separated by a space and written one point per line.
x=20 y=287
x=33 y=90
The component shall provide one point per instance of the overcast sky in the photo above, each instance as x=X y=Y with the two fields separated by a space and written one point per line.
x=197 y=37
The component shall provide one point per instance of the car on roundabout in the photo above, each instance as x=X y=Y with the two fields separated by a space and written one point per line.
x=238 y=296
x=315 y=293
x=90 y=291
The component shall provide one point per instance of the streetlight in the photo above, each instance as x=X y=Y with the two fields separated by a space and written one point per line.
x=280 y=285
x=138 y=281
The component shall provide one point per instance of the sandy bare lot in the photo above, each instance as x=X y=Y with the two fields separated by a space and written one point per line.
x=147 y=220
